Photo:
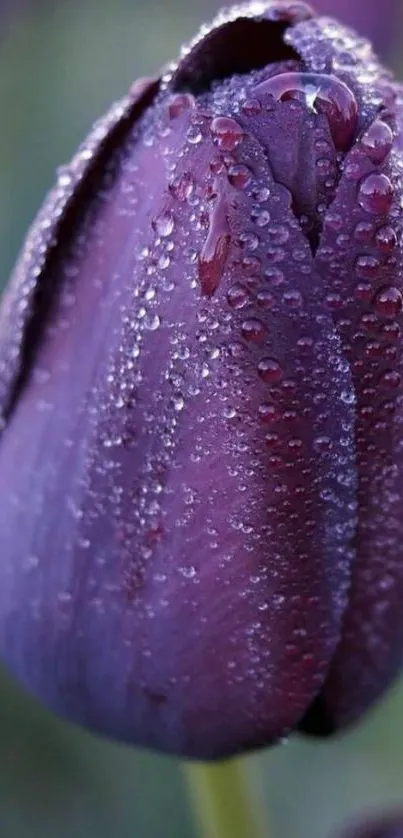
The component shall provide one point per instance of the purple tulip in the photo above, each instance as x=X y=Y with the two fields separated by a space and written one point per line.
x=200 y=353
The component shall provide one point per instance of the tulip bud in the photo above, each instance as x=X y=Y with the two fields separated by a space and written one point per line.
x=200 y=391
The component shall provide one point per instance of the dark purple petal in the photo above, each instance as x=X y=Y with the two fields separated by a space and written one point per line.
x=359 y=260
x=27 y=296
x=177 y=467
x=200 y=361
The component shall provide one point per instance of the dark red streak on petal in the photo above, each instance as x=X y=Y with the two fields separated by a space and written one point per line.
x=213 y=255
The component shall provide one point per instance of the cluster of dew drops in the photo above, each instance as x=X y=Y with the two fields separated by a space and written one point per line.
x=205 y=263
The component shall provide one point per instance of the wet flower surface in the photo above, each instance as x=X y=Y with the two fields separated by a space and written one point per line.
x=200 y=361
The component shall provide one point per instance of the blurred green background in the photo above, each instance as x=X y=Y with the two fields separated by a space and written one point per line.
x=61 y=64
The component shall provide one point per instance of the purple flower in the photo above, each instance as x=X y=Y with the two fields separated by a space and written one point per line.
x=200 y=384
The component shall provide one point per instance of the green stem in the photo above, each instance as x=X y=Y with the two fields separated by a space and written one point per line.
x=222 y=800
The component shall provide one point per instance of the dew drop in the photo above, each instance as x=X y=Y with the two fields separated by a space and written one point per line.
x=216 y=165
x=251 y=107
x=324 y=166
x=178 y=403
x=227 y=133
x=373 y=348
x=164 y=224
x=391 y=378
x=323 y=443
x=295 y=446
x=369 y=322
x=152 y=322
x=388 y=302
x=237 y=297
x=376 y=194
x=363 y=291
x=367 y=266
x=194 y=135
x=377 y=142
x=268 y=413
x=164 y=261
x=305 y=344
x=239 y=176
x=279 y=234
x=322 y=94
x=347 y=396
x=386 y=239
x=293 y=299
x=390 y=331
x=179 y=103
x=364 y=231
x=270 y=370
x=271 y=440
x=334 y=301
x=261 y=217
x=249 y=241
x=229 y=413
x=265 y=299
x=188 y=572
x=181 y=187
x=253 y=330
x=261 y=194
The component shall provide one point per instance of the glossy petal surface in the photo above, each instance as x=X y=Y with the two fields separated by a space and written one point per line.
x=360 y=259
x=185 y=461
x=200 y=389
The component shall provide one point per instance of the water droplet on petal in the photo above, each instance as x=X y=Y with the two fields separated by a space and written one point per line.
x=386 y=239
x=239 y=176
x=251 y=107
x=376 y=194
x=388 y=302
x=268 y=413
x=367 y=266
x=270 y=370
x=152 y=322
x=322 y=94
x=237 y=296
x=364 y=231
x=377 y=142
x=181 y=187
x=253 y=330
x=227 y=133
x=164 y=224
x=265 y=299
x=179 y=103
x=391 y=378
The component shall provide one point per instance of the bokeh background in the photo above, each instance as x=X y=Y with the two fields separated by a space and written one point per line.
x=61 y=63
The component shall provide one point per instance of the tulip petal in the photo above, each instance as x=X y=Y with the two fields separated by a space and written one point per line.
x=359 y=259
x=177 y=473
x=19 y=302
